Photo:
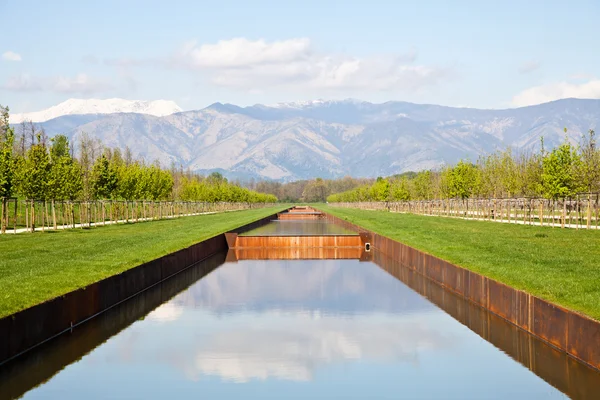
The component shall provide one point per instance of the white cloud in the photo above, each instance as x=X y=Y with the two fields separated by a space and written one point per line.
x=294 y=347
x=166 y=312
x=81 y=83
x=555 y=91
x=252 y=65
x=11 y=56
x=529 y=66
x=241 y=52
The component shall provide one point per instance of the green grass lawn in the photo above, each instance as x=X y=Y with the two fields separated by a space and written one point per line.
x=559 y=265
x=38 y=267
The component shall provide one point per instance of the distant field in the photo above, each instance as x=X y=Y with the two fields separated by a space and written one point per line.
x=559 y=265
x=38 y=267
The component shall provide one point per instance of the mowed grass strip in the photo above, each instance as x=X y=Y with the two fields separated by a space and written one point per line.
x=558 y=265
x=37 y=267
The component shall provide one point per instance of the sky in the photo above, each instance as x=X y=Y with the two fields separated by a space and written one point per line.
x=483 y=54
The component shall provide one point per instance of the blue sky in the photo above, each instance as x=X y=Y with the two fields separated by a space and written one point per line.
x=485 y=54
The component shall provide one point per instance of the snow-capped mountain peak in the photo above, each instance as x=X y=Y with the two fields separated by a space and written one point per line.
x=313 y=103
x=158 y=108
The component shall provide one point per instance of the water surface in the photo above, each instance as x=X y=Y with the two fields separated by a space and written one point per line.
x=277 y=329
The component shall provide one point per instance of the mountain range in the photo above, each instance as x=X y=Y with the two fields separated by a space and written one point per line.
x=328 y=139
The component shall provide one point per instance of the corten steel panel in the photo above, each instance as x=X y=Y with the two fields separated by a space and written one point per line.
x=297 y=253
x=434 y=268
x=299 y=216
x=298 y=241
x=454 y=278
x=477 y=289
x=502 y=301
x=26 y=329
x=583 y=339
x=550 y=322
x=231 y=238
x=366 y=237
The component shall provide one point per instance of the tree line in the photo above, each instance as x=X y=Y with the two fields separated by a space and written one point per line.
x=34 y=167
x=310 y=190
x=562 y=172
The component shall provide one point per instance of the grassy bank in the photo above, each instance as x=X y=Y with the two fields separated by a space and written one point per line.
x=559 y=265
x=38 y=267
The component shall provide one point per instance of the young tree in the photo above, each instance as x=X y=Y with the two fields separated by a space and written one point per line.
x=7 y=165
x=65 y=178
x=380 y=191
x=423 y=185
x=104 y=179
x=59 y=147
x=400 y=190
x=588 y=172
x=34 y=175
x=464 y=180
x=559 y=172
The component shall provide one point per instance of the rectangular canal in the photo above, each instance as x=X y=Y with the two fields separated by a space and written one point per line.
x=299 y=322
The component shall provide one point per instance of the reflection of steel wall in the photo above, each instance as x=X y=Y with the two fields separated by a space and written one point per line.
x=31 y=369
x=571 y=377
x=25 y=329
x=297 y=253
x=578 y=335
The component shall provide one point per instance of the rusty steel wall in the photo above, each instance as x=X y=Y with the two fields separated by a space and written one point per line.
x=301 y=210
x=296 y=253
x=556 y=367
x=569 y=331
x=297 y=216
x=25 y=329
x=298 y=241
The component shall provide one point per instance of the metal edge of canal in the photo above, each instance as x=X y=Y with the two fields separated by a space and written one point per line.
x=29 y=328
x=566 y=330
x=572 y=333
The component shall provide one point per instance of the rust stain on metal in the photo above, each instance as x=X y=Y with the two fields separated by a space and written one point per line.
x=550 y=322
x=274 y=242
x=297 y=253
x=583 y=338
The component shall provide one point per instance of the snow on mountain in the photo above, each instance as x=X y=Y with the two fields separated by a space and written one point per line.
x=330 y=138
x=157 y=108
x=312 y=103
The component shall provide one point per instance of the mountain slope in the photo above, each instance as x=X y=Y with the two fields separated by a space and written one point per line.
x=331 y=139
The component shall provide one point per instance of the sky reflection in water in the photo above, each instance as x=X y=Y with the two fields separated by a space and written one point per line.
x=296 y=329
